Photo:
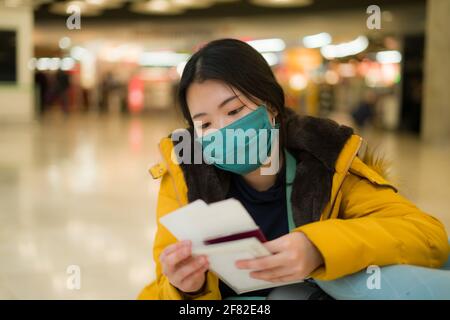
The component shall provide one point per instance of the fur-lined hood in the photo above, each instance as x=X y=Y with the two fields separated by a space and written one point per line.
x=316 y=143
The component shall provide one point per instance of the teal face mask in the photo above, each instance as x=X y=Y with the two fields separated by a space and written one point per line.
x=242 y=146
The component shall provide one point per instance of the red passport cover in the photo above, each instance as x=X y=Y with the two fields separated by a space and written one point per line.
x=257 y=233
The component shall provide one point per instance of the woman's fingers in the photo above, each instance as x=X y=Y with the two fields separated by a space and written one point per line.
x=172 y=259
x=262 y=263
x=286 y=278
x=277 y=245
x=272 y=274
x=197 y=277
x=189 y=267
x=184 y=271
x=173 y=247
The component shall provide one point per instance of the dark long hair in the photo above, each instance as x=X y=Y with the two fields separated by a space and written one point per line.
x=237 y=64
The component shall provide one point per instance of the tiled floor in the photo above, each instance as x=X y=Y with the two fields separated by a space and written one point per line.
x=76 y=191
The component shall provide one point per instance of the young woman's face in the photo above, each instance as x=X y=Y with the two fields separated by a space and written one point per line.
x=214 y=105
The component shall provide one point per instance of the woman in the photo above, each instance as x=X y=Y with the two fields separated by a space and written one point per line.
x=346 y=216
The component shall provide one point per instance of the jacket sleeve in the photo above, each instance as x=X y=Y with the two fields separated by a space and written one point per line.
x=375 y=226
x=161 y=288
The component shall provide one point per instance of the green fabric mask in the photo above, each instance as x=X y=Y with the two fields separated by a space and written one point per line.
x=242 y=146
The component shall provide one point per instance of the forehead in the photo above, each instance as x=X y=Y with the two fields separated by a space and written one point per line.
x=207 y=94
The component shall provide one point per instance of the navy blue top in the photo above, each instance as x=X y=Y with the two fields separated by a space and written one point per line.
x=267 y=208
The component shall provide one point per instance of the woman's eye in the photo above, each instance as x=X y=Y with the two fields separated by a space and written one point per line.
x=205 y=125
x=235 y=111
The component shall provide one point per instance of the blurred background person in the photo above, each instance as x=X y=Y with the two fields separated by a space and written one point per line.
x=61 y=90
x=364 y=113
x=41 y=82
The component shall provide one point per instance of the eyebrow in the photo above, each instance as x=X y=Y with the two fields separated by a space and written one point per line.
x=224 y=102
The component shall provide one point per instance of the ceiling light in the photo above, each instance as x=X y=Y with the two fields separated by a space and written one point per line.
x=298 y=82
x=192 y=4
x=43 y=64
x=78 y=53
x=156 y=7
x=67 y=64
x=391 y=56
x=271 y=58
x=162 y=59
x=268 y=45
x=23 y=3
x=282 y=3
x=64 y=43
x=108 y=4
x=85 y=8
x=317 y=40
x=346 y=48
x=180 y=67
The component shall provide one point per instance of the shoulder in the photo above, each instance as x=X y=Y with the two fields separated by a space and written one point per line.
x=169 y=171
x=159 y=168
x=360 y=171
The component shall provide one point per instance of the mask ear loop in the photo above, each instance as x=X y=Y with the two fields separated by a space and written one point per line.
x=272 y=121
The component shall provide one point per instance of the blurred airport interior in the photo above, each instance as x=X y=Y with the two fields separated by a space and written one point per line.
x=84 y=100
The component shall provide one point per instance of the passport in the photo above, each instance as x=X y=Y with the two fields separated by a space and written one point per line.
x=225 y=232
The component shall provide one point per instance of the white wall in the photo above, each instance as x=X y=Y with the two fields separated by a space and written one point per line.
x=17 y=101
x=436 y=106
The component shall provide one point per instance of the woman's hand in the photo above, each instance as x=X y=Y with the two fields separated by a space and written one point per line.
x=185 y=272
x=294 y=258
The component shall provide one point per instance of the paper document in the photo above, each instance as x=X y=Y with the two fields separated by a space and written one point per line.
x=225 y=232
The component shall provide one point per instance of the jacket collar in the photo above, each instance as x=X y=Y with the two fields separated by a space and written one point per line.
x=323 y=149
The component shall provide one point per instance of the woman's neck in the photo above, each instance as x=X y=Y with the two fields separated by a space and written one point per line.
x=262 y=182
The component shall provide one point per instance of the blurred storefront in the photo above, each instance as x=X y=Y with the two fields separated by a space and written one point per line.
x=128 y=56
x=329 y=64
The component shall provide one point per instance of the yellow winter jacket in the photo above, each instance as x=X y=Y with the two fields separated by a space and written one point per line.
x=366 y=222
